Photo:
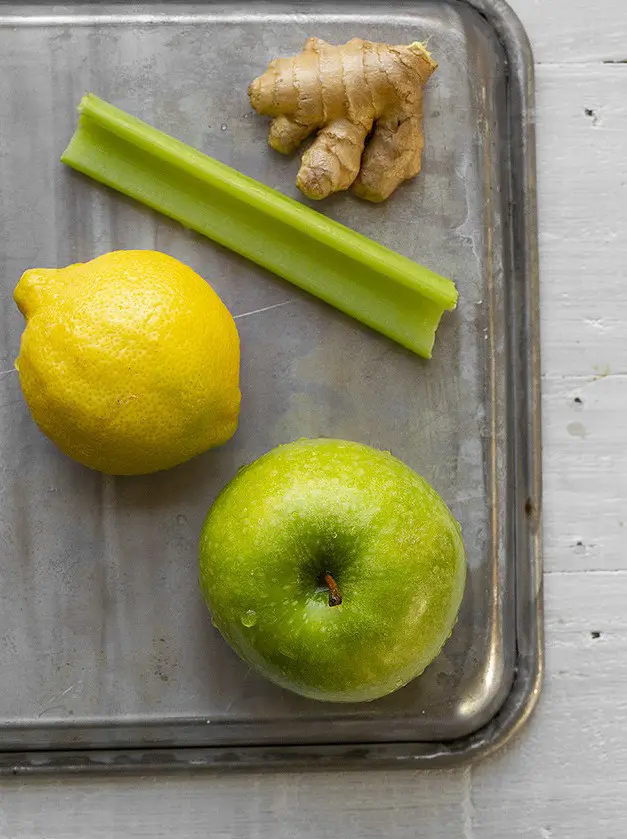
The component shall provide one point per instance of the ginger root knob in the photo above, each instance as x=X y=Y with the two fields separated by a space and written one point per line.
x=342 y=92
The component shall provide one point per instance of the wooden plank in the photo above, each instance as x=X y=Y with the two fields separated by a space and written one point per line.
x=585 y=473
x=565 y=777
x=582 y=180
x=582 y=171
x=394 y=805
x=574 y=30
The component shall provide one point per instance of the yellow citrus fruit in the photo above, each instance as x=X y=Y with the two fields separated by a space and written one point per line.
x=130 y=362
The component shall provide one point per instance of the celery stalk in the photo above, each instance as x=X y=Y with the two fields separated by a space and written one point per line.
x=382 y=289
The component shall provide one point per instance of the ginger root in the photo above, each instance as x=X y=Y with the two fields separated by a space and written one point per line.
x=341 y=92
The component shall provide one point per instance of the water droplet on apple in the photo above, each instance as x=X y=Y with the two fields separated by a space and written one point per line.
x=249 y=618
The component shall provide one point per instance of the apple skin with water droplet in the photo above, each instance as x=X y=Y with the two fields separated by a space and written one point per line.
x=379 y=531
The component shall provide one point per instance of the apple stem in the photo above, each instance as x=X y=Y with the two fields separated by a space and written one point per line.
x=335 y=598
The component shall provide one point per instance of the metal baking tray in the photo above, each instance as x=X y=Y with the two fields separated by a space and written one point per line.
x=108 y=657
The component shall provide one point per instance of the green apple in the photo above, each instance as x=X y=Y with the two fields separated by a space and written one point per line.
x=333 y=569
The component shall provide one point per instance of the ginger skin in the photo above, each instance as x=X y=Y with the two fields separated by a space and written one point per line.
x=341 y=92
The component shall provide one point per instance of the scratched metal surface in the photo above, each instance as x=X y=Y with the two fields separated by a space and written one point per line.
x=104 y=639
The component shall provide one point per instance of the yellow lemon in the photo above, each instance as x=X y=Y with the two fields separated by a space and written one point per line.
x=130 y=362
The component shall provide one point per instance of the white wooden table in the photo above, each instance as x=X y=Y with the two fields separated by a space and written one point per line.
x=565 y=777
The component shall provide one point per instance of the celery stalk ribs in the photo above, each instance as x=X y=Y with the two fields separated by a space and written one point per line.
x=384 y=290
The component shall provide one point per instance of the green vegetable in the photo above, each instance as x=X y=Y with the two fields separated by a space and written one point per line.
x=380 y=288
